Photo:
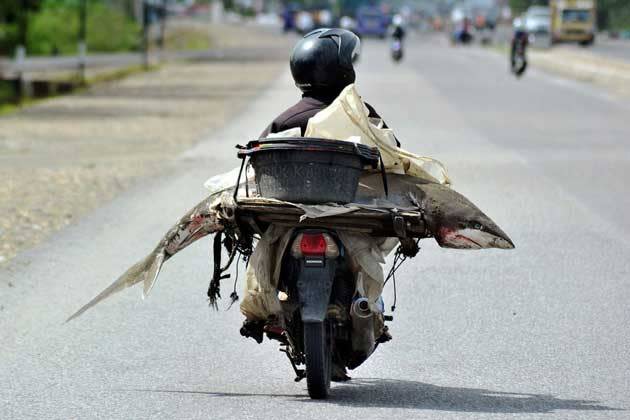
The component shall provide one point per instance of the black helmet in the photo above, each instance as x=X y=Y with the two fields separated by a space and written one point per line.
x=322 y=60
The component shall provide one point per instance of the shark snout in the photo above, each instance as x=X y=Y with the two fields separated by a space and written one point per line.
x=473 y=239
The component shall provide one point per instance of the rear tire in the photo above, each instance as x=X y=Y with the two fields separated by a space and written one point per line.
x=318 y=359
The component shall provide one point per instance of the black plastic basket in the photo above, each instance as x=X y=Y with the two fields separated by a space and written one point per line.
x=308 y=170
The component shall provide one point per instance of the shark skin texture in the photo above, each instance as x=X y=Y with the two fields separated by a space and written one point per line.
x=200 y=221
x=452 y=219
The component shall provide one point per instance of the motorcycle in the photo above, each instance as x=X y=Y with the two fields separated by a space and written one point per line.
x=518 y=54
x=329 y=318
x=327 y=325
x=396 y=49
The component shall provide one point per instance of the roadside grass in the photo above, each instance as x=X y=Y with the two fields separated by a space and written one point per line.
x=182 y=39
x=118 y=74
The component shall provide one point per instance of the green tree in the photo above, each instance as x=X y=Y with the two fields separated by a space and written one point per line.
x=14 y=20
x=52 y=26
x=613 y=14
x=519 y=6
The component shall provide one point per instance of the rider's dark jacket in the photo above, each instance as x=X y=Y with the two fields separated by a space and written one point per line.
x=308 y=106
x=398 y=33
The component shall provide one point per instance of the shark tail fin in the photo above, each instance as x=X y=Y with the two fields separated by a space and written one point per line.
x=149 y=267
x=152 y=272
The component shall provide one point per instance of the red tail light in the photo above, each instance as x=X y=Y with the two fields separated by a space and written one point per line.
x=313 y=244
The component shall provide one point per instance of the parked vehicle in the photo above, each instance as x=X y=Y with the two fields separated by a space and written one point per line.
x=371 y=21
x=573 y=21
x=538 y=20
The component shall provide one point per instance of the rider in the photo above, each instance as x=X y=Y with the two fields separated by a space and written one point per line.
x=520 y=40
x=398 y=31
x=322 y=66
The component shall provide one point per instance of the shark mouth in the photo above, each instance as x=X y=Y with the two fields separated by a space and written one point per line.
x=471 y=239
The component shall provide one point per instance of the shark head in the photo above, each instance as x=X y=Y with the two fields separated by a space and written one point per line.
x=457 y=223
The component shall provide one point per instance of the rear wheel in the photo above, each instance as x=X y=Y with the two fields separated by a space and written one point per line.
x=318 y=359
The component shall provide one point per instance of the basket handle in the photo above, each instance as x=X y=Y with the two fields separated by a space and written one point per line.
x=383 y=175
x=238 y=179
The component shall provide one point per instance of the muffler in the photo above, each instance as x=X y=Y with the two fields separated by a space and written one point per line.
x=363 y=340
x=360 y=308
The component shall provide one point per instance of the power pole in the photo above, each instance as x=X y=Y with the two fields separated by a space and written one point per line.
x=145 y=34
x=20 y=50
x=162 y=34
x=82 y=39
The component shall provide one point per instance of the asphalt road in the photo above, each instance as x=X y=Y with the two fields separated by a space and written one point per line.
x=541 y=331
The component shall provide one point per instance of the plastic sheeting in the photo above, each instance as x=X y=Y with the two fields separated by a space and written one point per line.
x=347 y=119
x=260 y=298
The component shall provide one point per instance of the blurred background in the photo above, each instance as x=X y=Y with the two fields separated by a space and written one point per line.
x=95 y=93
x=51 y=46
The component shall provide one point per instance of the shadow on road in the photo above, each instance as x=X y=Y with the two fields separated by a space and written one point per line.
x=393 y=393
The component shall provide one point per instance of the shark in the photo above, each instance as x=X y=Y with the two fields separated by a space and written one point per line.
x=452 y=219
x=457 y=223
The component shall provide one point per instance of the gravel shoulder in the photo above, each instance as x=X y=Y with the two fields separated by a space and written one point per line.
x=66 y=156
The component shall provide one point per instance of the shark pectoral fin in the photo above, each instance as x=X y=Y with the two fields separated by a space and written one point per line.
x=151 y=275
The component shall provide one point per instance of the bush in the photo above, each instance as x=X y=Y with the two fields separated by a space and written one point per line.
x=54 y=29
x=110 y=30
x=8 y=38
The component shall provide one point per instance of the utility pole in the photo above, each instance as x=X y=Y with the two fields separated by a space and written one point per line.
x=145 y=34
x=162 y=15
x=82 y=39
x=20 y=50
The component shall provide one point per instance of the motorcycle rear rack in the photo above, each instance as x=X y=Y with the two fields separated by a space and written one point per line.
x=258 y=213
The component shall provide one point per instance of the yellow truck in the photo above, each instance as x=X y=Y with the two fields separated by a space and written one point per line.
x=573 y=21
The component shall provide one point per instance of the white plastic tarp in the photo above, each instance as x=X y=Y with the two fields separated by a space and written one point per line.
x=348 y=118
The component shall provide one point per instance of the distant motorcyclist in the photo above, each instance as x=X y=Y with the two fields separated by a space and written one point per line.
x=398 y=34
x=322 y=66
x=288 y=18
x=462 y=33
x=518 y=48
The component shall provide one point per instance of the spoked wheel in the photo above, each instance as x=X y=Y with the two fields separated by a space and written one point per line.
x=318 y=359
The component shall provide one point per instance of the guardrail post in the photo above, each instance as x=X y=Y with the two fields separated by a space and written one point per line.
x=20 y=57
x=82 y=50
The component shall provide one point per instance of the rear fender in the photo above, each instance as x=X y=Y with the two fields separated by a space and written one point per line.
x=314 y=286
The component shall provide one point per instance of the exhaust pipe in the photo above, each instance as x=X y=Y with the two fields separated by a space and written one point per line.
x=361 y=308
x=363 y=340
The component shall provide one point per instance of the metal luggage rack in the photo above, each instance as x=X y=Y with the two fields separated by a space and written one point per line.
x=259 y=213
